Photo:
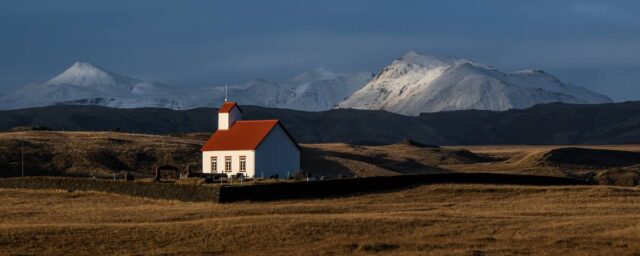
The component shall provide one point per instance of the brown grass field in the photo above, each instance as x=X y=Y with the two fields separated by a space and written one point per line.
x=427 y=220
x=102 y=153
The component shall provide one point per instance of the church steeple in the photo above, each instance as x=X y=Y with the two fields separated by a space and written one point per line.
x=228 y=114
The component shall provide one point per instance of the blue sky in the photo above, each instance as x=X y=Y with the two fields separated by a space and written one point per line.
x=595 y=44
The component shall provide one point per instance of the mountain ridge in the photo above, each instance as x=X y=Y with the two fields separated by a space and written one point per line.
x=417 y=83
x=86 y=84
x=554 y=123
x=410 y=85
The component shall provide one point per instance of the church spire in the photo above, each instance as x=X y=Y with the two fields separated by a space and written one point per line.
x=226 y=93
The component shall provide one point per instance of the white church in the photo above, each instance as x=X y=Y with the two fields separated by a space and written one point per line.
x=252 y=148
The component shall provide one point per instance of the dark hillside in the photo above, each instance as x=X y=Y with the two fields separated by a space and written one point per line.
x=590 y=158
x=616 y=123
x=350 y=126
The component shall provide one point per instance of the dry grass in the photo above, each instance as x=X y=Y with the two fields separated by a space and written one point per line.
x=100 y=153
x=525 y=159
x=381 y=160
x=159 y=190
x=430 y=220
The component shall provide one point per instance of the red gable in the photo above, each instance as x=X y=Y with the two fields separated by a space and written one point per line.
x=228 y=106
x=243 y=135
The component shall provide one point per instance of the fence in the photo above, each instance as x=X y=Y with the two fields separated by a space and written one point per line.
x=278 y=190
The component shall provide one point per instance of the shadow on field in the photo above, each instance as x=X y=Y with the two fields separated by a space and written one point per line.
x=590 y=158
x=325 y=163
x=343 y=187
x=278 y=191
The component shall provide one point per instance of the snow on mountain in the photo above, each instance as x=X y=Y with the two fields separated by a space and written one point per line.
x=321 y=90
x=86 y=74
x=87 y=84
x=314 y=90
x=417 y=83
x=412 y=84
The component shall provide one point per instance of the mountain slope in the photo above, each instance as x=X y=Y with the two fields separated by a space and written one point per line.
x=87 y=84
x=556 y=123
x=353 y=126
x=418 y=83
x=314 y=90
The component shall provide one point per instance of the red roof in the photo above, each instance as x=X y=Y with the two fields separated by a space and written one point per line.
x=243 y=135
x=228 y=106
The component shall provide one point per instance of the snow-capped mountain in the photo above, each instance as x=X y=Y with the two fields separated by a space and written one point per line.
x=314 y=90
x=411 y=85
x=87 y=84
x=417 y=83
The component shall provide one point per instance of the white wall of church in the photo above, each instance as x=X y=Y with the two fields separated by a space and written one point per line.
x=277 y=154
x=235 y=162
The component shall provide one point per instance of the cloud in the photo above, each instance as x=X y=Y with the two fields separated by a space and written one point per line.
x=200 y=43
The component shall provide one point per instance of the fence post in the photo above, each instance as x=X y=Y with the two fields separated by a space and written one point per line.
x=22 y=156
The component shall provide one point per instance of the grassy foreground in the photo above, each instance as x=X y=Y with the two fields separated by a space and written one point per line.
x=149 y=189
x=433 y=220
